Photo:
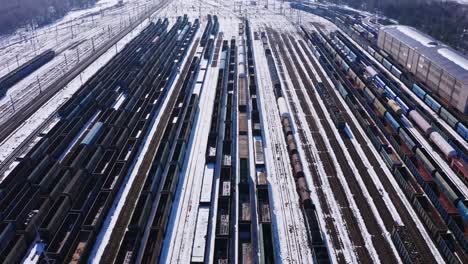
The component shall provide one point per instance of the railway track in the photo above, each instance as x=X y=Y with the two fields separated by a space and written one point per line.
x=80 y=166
x=19 y=117
x=7 y=128
x=385 y=214
x=371 y=222
x=283 y=179
x=262 y=216
x=374 y=190
x=412 y=194
x=116 y=245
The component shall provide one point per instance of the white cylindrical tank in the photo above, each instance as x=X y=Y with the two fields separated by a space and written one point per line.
x=443 y=145
x=420 y=121
x=370 y=72
x=283 y=108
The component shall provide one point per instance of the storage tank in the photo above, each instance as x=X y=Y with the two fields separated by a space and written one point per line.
x=420 y=121
x=443 y=145
x=283 y=108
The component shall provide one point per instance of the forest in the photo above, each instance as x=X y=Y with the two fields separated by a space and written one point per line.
x=444 y=20
x=33 y=13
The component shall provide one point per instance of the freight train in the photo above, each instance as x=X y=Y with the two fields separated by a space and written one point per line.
x=417 y=87
x=319 y=247
x=65 y=186
x=399 y=108
x=398 y=104
x=265 y=232
x=419 y=91
x=447 y=242
x=7 y=81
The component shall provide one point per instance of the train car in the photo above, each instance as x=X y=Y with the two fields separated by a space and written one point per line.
x=396 y=72
x=420 y=122
x=433 y=104
x=462 y=130
x=403 y=105
x=379 y=82
x=409 y=141
x=448 y=151
x=7 y=81
x=418 y=91
x=405 y=245
x=395 y=107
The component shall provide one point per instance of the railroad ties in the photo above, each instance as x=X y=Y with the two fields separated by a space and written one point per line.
x=237 y=143
x=316 y=238
x=61 y=192
x=397 y=149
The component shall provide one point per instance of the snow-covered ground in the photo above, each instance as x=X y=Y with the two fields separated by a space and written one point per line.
x=289 y=232
x=73 y=38
x=48 y=109
x=119 y=202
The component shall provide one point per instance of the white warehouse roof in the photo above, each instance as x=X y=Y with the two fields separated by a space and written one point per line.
x=442 y=55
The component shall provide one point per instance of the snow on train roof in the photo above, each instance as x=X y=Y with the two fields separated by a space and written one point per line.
x=445 y=57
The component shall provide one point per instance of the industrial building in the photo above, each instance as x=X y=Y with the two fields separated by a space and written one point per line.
x=442 y=69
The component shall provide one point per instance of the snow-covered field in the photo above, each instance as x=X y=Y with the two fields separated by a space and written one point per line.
x=73 y=38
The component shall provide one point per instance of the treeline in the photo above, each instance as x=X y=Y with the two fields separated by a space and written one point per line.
x=444 y=20
x=18 y=13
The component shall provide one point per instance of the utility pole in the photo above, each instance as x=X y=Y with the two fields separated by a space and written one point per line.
x=66 y=62
x=39 y=84
x=12 y=104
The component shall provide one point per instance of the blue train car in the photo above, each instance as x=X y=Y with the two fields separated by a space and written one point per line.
x=93 y=134
x=391 y=120
x=387 y=64
x=462 y=208
x=403 y=106
x=342 y=90
x=345 y=66
x=461 y=129
x=379 y=82
x=432 y=103
x=390 y=93
x=408 y=140
x=418 y=91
